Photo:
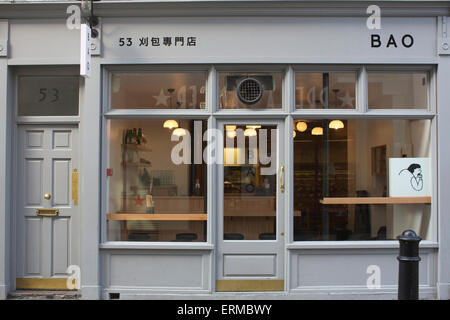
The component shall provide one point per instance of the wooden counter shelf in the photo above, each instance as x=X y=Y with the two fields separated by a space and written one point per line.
x=376 y=200
x=156 y=217
x=135 y=147
x=136 y=164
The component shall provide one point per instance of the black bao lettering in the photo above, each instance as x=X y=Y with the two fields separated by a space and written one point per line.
x=376 y=41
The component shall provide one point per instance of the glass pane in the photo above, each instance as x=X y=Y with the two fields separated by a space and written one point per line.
x=329 y=90
x=157 y=192
x=250 y=90
x=158 y=90
x=250 y=182
x=48 y=95
x=352 y=159
x=395 y=90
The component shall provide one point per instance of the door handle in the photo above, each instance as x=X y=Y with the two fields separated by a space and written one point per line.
x=282 y=179
x=47 y=196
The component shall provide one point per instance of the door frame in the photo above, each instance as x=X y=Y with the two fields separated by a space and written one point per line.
x=250 y=283
x=16 y=121
x=15 y=185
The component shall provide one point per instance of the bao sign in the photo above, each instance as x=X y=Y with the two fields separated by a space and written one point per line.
x=269 y=39
x=409 y=177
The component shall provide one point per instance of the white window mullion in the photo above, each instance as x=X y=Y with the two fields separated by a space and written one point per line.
x=362 y=91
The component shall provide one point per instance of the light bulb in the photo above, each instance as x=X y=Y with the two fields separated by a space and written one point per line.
x=231 y=134
x=317 y=131
x=179 y=132
x=301 y=126
x=336 y=124
x=250 y=132
x=170 y=124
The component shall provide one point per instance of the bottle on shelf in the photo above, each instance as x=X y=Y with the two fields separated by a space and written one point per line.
x=134 y=136
x=197 y=187
x=149 y=204
x=139 y=136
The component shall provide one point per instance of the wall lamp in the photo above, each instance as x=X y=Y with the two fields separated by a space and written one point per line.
x=87 y=13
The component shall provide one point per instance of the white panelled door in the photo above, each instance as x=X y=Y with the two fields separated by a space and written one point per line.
x=47 y=178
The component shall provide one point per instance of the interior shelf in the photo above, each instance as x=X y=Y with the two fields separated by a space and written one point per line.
x=376 y=200
x=136 y=147
x=153 y=216
x=136 y=164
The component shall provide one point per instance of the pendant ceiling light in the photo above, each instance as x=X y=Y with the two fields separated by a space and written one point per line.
x=317 y=131
x=301 y=126
x=253 y=126
x=336 y=124
x=294 y=134
x=231 y=134
x=250 y=132
x=231 y=131
x=170 y=124
x=179 y=132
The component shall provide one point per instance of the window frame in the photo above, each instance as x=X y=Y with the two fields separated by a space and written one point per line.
x=253 y=69
x=288 y=113
x=46 y=71
x=357 y=69
x=430 y=102
x=141 y=114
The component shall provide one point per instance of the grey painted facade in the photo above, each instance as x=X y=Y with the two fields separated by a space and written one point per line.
x=310 y=35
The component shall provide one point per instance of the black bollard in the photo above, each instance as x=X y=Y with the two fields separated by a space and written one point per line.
x=408 y=273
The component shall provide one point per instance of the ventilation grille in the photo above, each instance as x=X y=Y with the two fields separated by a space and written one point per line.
x=249 y=91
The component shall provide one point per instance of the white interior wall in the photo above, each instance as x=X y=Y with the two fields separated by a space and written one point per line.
x=410 y=137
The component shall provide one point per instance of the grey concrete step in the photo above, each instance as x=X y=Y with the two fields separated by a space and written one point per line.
x=44 y=295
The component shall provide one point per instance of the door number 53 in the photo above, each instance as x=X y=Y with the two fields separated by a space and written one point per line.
x=49 y=94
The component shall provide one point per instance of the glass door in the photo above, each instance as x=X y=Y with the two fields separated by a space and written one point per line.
x=251 y=216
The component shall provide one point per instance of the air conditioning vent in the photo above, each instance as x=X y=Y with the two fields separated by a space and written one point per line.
x=249 y=91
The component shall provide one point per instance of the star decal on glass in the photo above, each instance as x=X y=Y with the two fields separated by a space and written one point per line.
x=347 y=100
x=161 y=99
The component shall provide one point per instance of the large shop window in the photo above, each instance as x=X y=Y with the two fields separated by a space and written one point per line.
x=361 y=179
x=157 y=182
x=153 y=90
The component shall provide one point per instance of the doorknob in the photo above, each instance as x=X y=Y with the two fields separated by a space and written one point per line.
x=47 y=196
x=282 y=179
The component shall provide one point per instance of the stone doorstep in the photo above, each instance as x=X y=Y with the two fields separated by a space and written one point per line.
x=44 y=295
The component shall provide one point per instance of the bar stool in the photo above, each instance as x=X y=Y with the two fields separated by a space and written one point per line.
x=186 y=237
x=267 y=236
x=233 y=236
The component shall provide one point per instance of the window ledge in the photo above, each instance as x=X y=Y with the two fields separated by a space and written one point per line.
x=121 y=245
x=354 y=245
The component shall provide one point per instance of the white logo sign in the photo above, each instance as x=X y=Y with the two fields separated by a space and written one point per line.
x=409 y=177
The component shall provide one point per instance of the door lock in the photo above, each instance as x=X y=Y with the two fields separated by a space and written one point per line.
x=47 y=196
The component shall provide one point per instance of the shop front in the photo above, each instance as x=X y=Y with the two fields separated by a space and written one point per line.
x=219 y=151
